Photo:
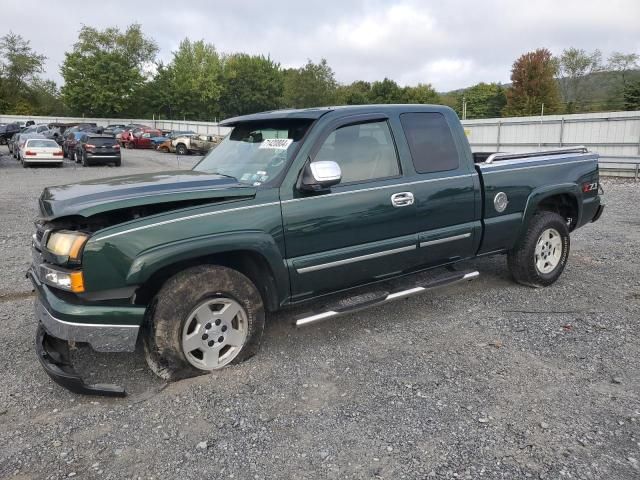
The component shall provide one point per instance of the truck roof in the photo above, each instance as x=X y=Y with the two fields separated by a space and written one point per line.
x=317 y=112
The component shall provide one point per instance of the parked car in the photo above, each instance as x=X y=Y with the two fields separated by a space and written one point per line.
x=195 y=144
x=40 y=151
x=373 y=203
x=126 y=133
x=93 y=149
x=69 y=144
x=18 y=143
x=110 y=129
x=139 y=138
x=166 y=146
x=7 y=131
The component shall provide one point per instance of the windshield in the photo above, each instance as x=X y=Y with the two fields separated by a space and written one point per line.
x=255 y=152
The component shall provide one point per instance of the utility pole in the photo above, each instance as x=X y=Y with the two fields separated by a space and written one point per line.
x=464 y=107
x=540 y=132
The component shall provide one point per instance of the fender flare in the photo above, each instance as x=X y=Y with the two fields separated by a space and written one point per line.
x=150 y=261
x=539 y=194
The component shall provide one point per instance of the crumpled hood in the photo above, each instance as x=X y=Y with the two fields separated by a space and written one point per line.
x=97 y=196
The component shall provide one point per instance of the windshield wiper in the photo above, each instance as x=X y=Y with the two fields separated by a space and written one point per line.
x=224 y=175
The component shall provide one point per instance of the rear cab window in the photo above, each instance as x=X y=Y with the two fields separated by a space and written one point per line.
x=431 y=142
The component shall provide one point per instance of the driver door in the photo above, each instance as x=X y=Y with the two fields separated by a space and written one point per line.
x=355 y=232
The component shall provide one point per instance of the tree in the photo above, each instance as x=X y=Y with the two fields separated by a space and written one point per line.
x=422 y=93
x=251 y=83
x=623 y=63
x=19 y=66
x=191 y=85
x=533 y=84
x=105 y=70
x=573 y=66
x=632 y=96
x=313 y=85
x=357 y=93
x=386 y=91
x=484 y=100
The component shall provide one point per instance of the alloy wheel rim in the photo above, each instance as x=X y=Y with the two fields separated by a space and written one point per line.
x=548 y=251
x=214 y=333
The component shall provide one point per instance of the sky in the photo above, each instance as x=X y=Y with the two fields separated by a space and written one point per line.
x=450 y=44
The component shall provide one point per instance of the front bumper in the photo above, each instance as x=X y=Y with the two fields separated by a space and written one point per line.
x=55 y=358
x=105 y=328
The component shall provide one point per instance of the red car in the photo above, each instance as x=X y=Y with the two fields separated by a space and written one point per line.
x=139 y=137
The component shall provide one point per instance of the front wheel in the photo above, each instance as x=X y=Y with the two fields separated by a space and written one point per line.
x=202 y=319
x=72 y=156
x=540 y=258
x=181 y=149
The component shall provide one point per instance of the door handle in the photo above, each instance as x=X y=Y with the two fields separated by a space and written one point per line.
x=402 y=199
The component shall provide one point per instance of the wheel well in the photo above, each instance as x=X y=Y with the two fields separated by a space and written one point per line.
x=563 y=204
x=251 y=264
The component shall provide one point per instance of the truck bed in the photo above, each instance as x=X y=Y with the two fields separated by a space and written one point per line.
x=524 y=177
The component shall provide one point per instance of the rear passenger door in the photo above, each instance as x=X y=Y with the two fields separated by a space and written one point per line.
x=447 y=220
x=353 y=233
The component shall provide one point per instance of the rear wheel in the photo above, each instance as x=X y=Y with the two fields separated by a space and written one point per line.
x=72 y=156
x=202 y=319
x=540 y=258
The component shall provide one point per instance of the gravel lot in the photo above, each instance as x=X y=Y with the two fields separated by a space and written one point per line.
x=481 y=380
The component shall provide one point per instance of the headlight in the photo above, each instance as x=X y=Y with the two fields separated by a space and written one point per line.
x=67 y=244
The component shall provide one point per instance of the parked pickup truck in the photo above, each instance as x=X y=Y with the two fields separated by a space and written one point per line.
x=335 y=208
x=199 y=144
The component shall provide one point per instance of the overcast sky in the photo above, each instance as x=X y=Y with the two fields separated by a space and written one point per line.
x=450 y=44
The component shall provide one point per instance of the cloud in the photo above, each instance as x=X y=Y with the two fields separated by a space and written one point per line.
x=450 y=44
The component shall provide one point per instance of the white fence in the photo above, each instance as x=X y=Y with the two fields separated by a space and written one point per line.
x=614 y=135
x=208 y=128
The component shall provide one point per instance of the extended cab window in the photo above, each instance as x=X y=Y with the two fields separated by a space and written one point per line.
x=364 y=151
x=430 y=142
x=255 y=152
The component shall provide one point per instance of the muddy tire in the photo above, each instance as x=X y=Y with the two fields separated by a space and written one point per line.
x=202 y=319
x=540 y=257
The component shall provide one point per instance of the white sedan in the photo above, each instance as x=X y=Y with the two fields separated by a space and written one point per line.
x=40 y=150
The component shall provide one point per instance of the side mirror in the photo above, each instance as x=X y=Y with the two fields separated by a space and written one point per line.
x=321 y=175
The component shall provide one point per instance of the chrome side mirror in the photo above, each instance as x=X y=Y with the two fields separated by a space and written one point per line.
x=320 y=175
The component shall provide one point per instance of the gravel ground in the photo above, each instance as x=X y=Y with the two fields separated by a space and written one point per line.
x=481 y=380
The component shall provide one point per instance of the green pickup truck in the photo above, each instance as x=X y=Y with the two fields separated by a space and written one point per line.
x=335 y=209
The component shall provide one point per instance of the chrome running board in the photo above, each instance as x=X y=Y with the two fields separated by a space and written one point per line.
x=338 y=310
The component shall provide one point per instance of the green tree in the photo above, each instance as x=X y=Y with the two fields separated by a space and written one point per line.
x=632 y=96
x=533 y=84
x=622 y=64
x=251 y=83
x=484 y=100
x=421 y=93
x=19 y=66
x=106 y=69
x=356 y=93
x=191 y=84
x=574 y=65
x=386 y=91
x=313 y=85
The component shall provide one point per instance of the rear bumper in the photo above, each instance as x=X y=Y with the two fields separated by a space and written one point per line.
x=598 y=213
x=105 y=328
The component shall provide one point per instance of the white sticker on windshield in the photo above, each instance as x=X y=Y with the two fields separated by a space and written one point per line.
x=276 y=143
